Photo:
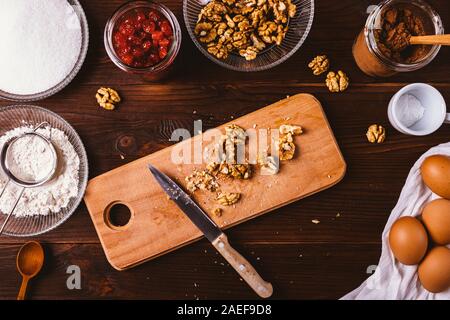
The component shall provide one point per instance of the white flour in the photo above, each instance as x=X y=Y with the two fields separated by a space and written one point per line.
x=30 y=157
x=410 y=110
x=40 y=44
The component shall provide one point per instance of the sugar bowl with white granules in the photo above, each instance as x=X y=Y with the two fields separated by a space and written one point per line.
x=44 y=44
x=43 y=172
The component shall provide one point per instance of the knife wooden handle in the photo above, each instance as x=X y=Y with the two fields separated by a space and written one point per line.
x=243 y=267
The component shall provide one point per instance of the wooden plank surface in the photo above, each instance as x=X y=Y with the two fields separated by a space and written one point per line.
x=150 y=112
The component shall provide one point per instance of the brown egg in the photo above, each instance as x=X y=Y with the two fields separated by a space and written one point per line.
x=434 y=271
x=408 y=240
x=436 y=218
x=436 y=174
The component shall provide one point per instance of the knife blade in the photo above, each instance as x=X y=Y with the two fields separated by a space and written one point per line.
x=213 y=233
x=199 y=217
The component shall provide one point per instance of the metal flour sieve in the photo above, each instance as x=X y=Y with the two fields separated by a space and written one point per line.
x=20 y=181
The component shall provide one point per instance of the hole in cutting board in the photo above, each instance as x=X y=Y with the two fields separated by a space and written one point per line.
x=118 y=215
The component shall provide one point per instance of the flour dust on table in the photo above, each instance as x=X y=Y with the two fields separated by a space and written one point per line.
x=41 y=43
x=30 y=158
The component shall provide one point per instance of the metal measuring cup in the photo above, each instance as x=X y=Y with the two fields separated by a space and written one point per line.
x=24 y=184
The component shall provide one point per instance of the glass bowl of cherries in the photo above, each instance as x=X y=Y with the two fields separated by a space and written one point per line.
x=143 y=37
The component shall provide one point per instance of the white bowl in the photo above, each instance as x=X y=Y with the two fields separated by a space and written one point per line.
x=435 y=113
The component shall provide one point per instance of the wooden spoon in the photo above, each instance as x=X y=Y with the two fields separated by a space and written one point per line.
x=29 y=262
x=439 y=39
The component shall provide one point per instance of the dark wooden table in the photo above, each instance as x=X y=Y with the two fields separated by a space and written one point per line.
x=303 y=260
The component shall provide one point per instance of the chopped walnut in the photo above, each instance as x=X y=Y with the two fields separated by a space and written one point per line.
x=319 y=65
x=376 y=134
x=228 y=199
x=202 y=180
x=286 y=147
x=212 y=167
x=337 y=82
x=292 y=129
x=218 y=212
x=269 y=165
x=107 y=98
x=235 y=133
x=234 y=137
x=238 y=171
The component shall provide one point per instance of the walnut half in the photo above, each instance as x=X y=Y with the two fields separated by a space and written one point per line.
x=228 y=199
x=337 y=82
x=319 y=65
x=376 y=134
x=107 y=98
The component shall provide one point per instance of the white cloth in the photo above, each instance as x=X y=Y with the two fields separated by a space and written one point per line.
x=393 y=280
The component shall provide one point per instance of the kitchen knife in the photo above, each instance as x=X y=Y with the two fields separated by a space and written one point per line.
x=213 y=233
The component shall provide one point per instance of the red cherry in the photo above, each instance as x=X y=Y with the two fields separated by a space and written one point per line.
x=142 y=36
x=124 y=50
x=164 y=42
x=149 y=26
x=134 y=40
x=162 y=52
x=147 y=45
x=157 y=35
x=140 y=16
x=153 y=58
x=166 y=28
x=137 y=64
x=137 y=52
x=126 y=29
x=119 y=39
x=138 y=25
x=128 y=20
x=127 y=59
x=154 y=16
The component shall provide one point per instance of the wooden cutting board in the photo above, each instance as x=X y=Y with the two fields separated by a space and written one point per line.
x=157 y=226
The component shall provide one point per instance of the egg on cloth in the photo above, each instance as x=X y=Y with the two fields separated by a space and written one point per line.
x=436 y=174
x=436 y=218
x=408 y=240
x=434 y=271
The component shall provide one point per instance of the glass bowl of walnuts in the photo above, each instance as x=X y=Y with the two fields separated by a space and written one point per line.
x=248 y=35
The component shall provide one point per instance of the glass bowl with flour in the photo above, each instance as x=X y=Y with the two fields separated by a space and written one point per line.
x=44 y=45
x=42 y=208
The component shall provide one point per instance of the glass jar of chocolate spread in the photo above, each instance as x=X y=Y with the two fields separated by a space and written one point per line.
x=382 y=48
